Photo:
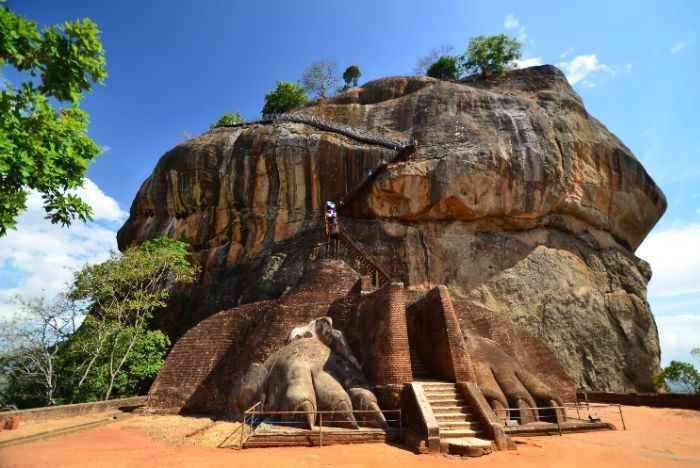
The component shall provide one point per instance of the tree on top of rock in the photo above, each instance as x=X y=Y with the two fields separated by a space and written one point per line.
x=424 y=63
x=44 y=146
x=446 y=67
x=492 y=55
x=321 y=78
x=351 y=75
x=285 y=97
x=227 y=119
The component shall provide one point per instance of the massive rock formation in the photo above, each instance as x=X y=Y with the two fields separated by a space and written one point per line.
x=514 y=197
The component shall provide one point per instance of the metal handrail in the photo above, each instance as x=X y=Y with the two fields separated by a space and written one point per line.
x=337 y=127
x=254 y=413
x=564 y=407
x=374 y=262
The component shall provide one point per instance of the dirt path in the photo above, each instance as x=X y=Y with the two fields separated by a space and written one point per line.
x=656 y=437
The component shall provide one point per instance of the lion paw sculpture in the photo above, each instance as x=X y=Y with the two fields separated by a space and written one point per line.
x=314 y=371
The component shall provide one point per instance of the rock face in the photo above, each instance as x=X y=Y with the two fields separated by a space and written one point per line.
x=513 y=197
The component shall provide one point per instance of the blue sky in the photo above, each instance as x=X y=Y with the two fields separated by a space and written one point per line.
x=176 y=66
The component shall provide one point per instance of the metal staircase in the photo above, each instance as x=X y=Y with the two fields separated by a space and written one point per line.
x=380 y=274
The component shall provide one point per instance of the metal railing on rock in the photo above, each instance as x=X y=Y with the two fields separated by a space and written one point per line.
x=328 y=125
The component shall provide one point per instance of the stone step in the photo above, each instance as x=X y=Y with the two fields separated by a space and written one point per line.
x=447 y=402
x=442 y=394
x=438 y=388
x=437 y=383
x=451 y=433
x=454 y=425
x=452 y=409
x=440 y=417
x=466 y=446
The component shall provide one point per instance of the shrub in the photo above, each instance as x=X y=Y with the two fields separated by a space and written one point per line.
x=285 y=97
x=446 y=67
x=227 y=119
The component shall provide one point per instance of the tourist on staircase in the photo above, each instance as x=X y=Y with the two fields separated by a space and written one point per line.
x=332 y=241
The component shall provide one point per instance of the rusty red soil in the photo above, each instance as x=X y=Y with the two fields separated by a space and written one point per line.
x=655 y=437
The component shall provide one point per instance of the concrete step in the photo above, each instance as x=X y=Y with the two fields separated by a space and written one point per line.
x=451 y=433
x=466 y=446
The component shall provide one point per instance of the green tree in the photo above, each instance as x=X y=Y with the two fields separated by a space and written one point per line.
x=446 y=68
x=351 y=76
x=227 y=119
x=45 y=147
x=427 y=60
x=492 y=55
x=285 y=97
x=321 y=78
x=122 y=293
x=682 y=374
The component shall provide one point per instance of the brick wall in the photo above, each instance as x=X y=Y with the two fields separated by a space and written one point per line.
x=203 y=365
x=436 y=336
x=657 y=400
x=375 y=327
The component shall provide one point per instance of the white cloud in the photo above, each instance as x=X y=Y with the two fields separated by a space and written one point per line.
x=678 y=335
x=106 y=149
x=674 y=255
x=103 y=206
x=39 y=257
x=680 y=45
x=566 y=52
x=511 y=21
x=583 y=67
x=628 y=68
x=529 y=62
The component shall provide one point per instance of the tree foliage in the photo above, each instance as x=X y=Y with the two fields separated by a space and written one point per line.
x=227 y=119
x=29 y=349
x=44 y=144
x=492 y=55
x=285 y=97
x=321 y=78
x=424 y=63
x=115 y=351
x=446 y=67
x=681 y=374
x=351 y=76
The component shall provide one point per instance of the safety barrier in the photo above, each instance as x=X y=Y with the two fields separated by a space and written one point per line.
x=381 y=275
x=560 y=414
x=322 y=124
x=252 y=419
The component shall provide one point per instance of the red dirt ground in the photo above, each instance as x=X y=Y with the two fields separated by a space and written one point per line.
x=655 y=437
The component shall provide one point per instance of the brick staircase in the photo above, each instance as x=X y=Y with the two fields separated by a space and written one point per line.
x=418 y=368
x=459 y=431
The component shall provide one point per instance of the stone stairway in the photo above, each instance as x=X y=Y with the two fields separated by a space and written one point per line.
x=418 y=368
x=459 y=431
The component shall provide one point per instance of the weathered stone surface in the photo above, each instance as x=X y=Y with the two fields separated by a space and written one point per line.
x=515 y=198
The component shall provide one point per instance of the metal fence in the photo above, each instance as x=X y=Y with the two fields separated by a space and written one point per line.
x=560 y=414
x=252 y=418
x=323 y=124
